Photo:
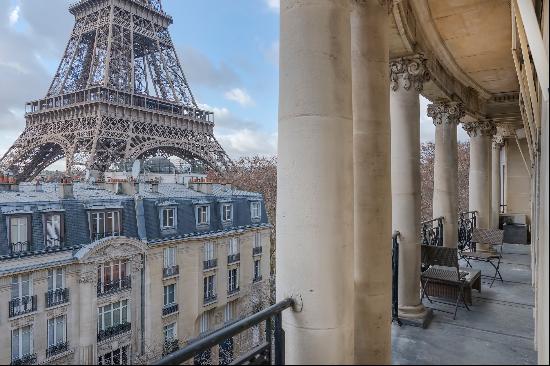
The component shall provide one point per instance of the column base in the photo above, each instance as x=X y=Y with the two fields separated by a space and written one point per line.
x=416 y=316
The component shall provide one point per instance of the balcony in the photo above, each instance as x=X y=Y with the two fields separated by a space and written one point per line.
x=21 y=248
x=170 y=271
x=113 y=331
x=29 y=359
x=53 y=244
x=57 y=297
x=22 y=305
x=57 y=349
x=209 y=299
x=256 y=250
x=209 y=264
x=170 y=309
x=170 y=346
x=232 y=258
x=111 y=287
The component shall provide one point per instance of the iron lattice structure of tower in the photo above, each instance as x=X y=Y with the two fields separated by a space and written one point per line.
x=119 y=94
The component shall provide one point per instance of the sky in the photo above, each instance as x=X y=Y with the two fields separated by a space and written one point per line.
x=229 y=50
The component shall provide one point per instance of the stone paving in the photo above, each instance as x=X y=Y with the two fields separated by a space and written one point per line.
x=499 y=329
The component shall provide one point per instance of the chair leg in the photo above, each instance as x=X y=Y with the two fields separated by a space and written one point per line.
x=497 y=272
x=424 y=287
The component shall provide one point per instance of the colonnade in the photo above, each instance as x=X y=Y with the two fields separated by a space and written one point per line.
x=349 y=173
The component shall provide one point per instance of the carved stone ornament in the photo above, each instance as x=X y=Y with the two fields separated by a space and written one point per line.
x=446 y=112
x=498 y=141
x=480 y=128
x=87 y=277
x=409 y=71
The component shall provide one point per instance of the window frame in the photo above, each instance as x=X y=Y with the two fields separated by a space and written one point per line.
x=174 y=328
x=233 y=279
x=224 y=211
x=209 y=286
x=123 y=309
x=19 y=283
x=256 y=210
x=53 y=274
x=163 y=224
x=257 y=268
x=120 y=263
x=28 y=219
x=55 y=329
x=234 y=242
x=199 y=215
x=20 y=353
x=167 y=293
x=209 y=248
x=104 y=220
x=61 y=228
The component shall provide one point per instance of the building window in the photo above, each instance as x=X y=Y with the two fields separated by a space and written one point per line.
x=104 y=224
x=209 y=261
x=230 y=311
x=257 y=239
x=169 y=257
x=203 y=215
x=257 y=270
x=204 y=322
x=209 y=288
x=22 y=300
x=227 y=212
x=111 y=315
x=113 y=276
x=169 y=295
x=233 y=280
x=57 y=331
x=20 y=234
x=56 y=279
x=233 y=254
x=53 y=230
x=21 y=344
x=168 y=218
x=170 y=332
x=116 y=357
x=256 y=210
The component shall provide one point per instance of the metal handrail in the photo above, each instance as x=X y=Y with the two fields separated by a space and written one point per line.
x=223 y=334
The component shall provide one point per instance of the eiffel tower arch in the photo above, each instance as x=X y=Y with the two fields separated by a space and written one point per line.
x=119 y=94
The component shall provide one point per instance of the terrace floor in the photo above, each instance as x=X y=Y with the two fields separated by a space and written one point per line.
x=499 y=329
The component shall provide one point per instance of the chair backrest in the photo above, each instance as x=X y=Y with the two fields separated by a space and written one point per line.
x=488 y=236
x=439 y=256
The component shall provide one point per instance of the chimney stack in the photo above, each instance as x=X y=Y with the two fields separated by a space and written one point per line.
x=66 y=191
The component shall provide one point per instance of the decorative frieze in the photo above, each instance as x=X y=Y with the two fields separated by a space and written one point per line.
x=498 y=141
x=446 y=112
x=409 y=71
x=480 y=128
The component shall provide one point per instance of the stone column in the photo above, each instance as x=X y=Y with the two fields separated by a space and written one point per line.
x=446 y=116
x=480 y=133
x=495 y=181
x=315 y=181
x=372 y=181
x=407 y=79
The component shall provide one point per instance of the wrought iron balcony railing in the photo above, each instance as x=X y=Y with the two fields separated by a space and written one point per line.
x=209 y=298
x=268 y=352
x=170 y=309
x=29 y=359
x=432 y=232
x=257 y=278
x=256 y=250
x=170 y=346
x=209 y=264
x=57 y=297
x=114 y=330
x=20 y=248
x=106 y=288
x=467 y=221
x=99 y=236
x=232 y=258
x=170 y=271
x=53 y=243
x=22 y=305
x=56 y=349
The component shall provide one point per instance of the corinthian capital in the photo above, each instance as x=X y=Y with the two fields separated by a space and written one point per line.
x=480 y=128
x=409 y=71
x=446 y=112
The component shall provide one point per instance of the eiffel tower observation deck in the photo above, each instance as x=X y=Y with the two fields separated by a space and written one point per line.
x=119 y=95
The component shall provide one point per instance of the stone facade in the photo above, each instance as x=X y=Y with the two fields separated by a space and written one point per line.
x=140 y=293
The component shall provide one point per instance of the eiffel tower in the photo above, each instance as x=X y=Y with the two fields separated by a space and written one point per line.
x=119 y=95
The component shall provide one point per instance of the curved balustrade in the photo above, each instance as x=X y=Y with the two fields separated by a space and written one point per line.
x=467 y=221
x=432 y=232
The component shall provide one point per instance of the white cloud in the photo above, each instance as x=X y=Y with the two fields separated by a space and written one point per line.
x=14 y=15
x=273 y=4
x=247 y=142
x=240 y=96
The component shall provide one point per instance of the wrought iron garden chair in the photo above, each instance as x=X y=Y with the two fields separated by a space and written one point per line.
x=442 y=264
x=468 y=252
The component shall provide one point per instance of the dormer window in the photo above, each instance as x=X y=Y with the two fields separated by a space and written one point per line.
x=255 y=210
x=227 y=212
x=202 y=214
x=104 y=224
x=20 y=234
x=168 y=218
x=53 y=230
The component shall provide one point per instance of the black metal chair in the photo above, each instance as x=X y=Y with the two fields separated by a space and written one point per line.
x=494 y=237
x=442 y=268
